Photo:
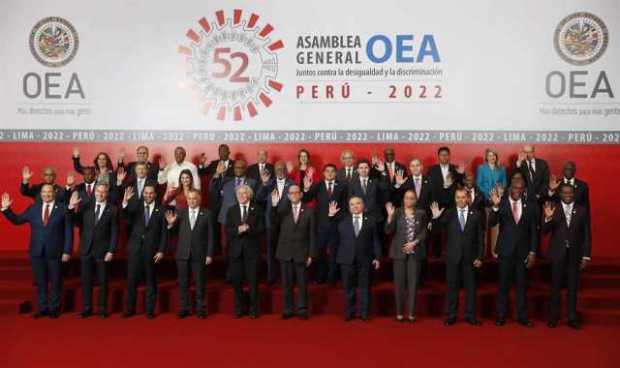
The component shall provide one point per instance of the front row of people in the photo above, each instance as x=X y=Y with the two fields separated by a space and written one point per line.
x=358 y=254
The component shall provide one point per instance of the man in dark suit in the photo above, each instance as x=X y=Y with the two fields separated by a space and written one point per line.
x=244 y=228
x=391 y=166
x=417 y=182
x=255 y=170
x=371 y=190
x=98 y=238
x=464 y=250
x=142 y=157
x=146 y=244
x=49 y=177
x=51 y=237
x=348 y=171
x=569 y=250
x=295 y=226
x=445 y=178
x=359 y=249
x=270 y=185
x=517 y=243
x=194 y=226
x=224 y=160
x=323 y=193
x=86 y=189
x=535 y=171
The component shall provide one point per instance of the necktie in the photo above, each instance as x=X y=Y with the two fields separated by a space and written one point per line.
x=462 y=218
x=147 y=214
x=89 y=189
x=530 y=167
x=244 y=213
x=349 y=173
x=515 y=212
x=237 y=182
x=568 y=214
x=295 y=213
x=364 y=185
x=46 y=214
x=97 y=213
x=356 y=225
x=417 y=187
x=330 y=189
x=140 y=187
x=192 y=219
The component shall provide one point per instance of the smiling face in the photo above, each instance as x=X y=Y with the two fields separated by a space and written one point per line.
x=102 y=161
x=142 y=154
x=294 y=194
x=569 y=170
x=149 y=194
x=186 y=180
x=193 y=199
x=461 y=198
x=101 y=193
x=280 y=169
x=567 y=194
x=243 y=195
x=389 y=154
x=529 y=152
x=239 y=168
x=140 y=170
x=329 y=173
x=224 y=152
x=179 y=154
x=410 y=199
x=261 y=156
x=415 y=167
x=47 y=193
x=356 y=205
x=491 y=157
x=347 y=158
x=444 y=157
x=516 y=190
x=49 y=175
x=303 y=157
x=363 y=169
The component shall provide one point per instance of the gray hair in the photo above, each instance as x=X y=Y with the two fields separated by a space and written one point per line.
x=247 y=188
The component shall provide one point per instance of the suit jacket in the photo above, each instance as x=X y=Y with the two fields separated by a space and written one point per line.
x=373 y=203
x=318 y=192
x=34 y=192
x=443 y=196
x=51 y=240
x=263 y=195
x=296 y=241
x=210 y=169
x=426 y=193
x=223 y=190
x=521 y=237
x=341 y=176
x=540 y=183
x=398 y=227
x=254 y=172
x=360 y=249
x=197 y=243
x=152 y=169
x=151 y=237
x=249 y=242
x=97 y=237
x=466 y=244
x=574 y=238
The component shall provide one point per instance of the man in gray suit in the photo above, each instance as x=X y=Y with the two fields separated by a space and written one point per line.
x=194 y=250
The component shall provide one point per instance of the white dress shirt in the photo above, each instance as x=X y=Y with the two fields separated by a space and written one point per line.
x=170 y=175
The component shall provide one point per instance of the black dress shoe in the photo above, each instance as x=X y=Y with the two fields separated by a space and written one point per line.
x=54 y=314
x=85 y=314
x=525 y=323
x=182 y=314
x=40 y=314
x=150 y=315
x=449 y=321
x=287 y=315
x=500 y=321
x=552 y=324
x=126 y=315
x=574 y=325
x=201 y=315
x=104 y=315
x=473 y=321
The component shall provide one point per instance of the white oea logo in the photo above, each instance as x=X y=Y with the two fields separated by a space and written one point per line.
x=54 y=41
x=581 y=38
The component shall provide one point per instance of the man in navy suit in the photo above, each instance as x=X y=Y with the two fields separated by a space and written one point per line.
x=464 y=252
x=98 y=238
x=264 y=194
x=51 y=238
x=359 y=249
x=325 y=192
x=517 y=242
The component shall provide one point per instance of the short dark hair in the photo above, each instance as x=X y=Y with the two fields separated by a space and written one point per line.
x=363 y=161
x=566 y=185
x=443 y=149
x=328 y=166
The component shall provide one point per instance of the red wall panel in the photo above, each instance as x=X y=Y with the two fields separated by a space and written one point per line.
x=596 y=164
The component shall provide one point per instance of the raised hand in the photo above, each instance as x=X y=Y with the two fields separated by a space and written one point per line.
x=289 y=167
x=500 y=189
x=549 y=210
x=6 y=201
x=121 y=155
x=380 y=165
x=389 y=208
x=265 y=176
x=74 y=200
x=308 y=261
x=521 y=156
x=461 y=168
x=333 y=208
x=208 y=260
x=158 y=257
x=495 y=197
x=436 y=210
x=275 y=198
x=171 y=217
x=400 y=178
x=70 y=179
x=447 y=182
x=307 y=181
x=108 y=257
x=220 y=169
x=408 y=247
x=477 y=263
x=76 y=152
x=376 y=264
x=554 y=183
x=203 y=159
x=162 y=161
x=26 y=174
x=129 y=192
x=120 y=175
x=310 y=172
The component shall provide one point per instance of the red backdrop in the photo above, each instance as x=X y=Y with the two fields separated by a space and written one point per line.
x=596 y=164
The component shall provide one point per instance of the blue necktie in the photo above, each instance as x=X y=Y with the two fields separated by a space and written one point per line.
x=147 y=215
x=462 y=219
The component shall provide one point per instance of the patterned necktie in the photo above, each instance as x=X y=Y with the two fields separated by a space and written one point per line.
x=417 y=187
x=46 y=215
x=237 y=182
x=364 y=185
x=89 y=190
x=462 y=218
x=330 y=189
x=515 y=212
x=356 y=225
x=97 y=213
x=295 y=213
x=568 y=214
x=147 y=214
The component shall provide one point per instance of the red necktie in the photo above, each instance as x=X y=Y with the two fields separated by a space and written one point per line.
x=89 y=190
x=515 y=212
x=46 y=215
x=330 y=190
